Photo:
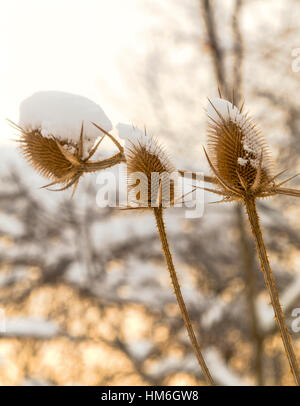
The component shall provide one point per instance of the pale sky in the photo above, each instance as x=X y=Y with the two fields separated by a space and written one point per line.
x=62 y=45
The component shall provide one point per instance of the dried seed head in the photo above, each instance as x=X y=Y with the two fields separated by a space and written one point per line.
x=56 y=160
x=144 y=156
x=239 y=157
x=62 y=161
x=54 y=141
x=237 y=150
x=60 y=115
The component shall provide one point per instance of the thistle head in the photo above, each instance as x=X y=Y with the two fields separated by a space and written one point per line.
x=59 y=161
x=53 y=138
x=151 y=176
x=238 y=153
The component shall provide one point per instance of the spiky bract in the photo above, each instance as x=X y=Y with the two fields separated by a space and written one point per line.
x=157 y=187
x=238 y=155
x=62 y=161
x=45 y=155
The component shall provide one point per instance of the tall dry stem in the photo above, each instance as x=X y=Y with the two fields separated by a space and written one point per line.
x=185 y=315
x=240 y=160
x=271 y=287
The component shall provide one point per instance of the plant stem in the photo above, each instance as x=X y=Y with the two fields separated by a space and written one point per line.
x=247 y=251
x=104 y=164
x=187 y=321
x=271 y=287
x=194 y=175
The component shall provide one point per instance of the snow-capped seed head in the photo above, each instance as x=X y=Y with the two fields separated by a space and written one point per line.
x=47 y=156
x=60 y=115
x=144 y=156
x=237 y=150
x=58 y=135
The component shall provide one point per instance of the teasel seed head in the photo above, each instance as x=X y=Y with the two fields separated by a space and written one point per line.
x=62 y=161
x=50 y=142
x=145 y=156
x=238 y=154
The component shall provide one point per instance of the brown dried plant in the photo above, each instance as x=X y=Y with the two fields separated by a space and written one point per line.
x=50 y=158
x=149 y=160
x=146 y=156
x=242 y=171
x=62 y=161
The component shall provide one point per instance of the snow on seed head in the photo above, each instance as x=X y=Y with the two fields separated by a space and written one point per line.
x=236 y=147
x=60 y=115
x=57 y=134
x=145 y=156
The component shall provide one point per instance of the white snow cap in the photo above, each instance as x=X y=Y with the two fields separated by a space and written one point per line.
x=133 y=136
x=61 y=114
x=242 y=161
x=226 y=109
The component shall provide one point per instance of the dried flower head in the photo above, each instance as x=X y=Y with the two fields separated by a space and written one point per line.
x=151 y=176
x=241 y=164
x=59 y=161
x=238 y=154
x=54 y=143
